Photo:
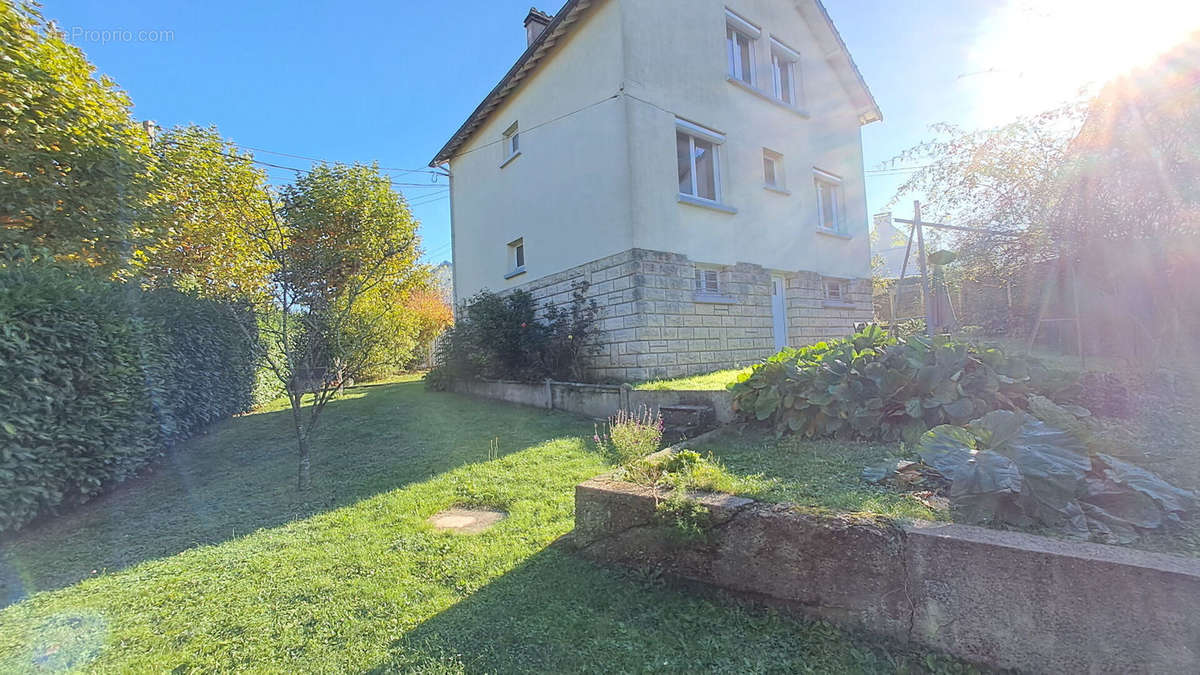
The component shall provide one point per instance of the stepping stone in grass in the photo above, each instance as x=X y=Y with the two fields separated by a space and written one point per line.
x=466 y=521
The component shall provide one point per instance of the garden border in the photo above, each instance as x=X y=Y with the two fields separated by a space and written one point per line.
x=1001 y=598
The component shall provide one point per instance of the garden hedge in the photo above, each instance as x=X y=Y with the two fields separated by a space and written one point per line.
x=97 y=378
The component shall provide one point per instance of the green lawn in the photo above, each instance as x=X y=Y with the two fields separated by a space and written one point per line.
x=826 y=476
x=213 y=563
x=715 y=380
x=822 y=475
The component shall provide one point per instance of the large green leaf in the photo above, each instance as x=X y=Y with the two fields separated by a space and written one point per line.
x=1013 y=468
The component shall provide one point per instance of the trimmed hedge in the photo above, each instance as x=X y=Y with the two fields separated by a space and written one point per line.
x=97 y=378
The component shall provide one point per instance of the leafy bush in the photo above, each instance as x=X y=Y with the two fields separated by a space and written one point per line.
x=630 y=436
x=872 y=386
x=97 y=378
x=1011 y=468
x=502 y=337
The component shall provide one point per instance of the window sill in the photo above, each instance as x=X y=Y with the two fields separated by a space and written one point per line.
x=515 y=273
x=837 y=304
x=510 y=158
x=705 y=203
x=833 y=233
x=766 y=97
x=713 y=299
x=777 y=189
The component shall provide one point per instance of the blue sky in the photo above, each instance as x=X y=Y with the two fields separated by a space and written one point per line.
x=389 y=81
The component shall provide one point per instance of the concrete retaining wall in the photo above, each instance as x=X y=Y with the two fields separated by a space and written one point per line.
x=596 y=400
x=1006 y=599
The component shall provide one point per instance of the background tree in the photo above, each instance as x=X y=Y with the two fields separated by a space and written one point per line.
x=432 y=315
x=204 y=192
x=338 y=243
x=1004 y=179
x=72 y=160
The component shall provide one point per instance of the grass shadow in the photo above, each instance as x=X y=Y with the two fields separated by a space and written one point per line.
x=558 y=613
x=240 y=477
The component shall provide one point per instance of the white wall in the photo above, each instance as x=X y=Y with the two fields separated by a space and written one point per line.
x=676 y=63
x=593 y=183
x=567 y=194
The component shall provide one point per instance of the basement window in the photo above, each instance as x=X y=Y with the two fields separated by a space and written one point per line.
x=707 y=281
x=837 y=293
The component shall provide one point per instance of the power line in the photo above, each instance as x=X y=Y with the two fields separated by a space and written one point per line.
x=293 y=169
x=326 y=161
x=428 y=199
x=540 y=125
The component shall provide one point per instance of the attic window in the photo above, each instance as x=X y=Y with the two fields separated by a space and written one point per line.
x=516 y=258
x=740 y=37
x=785 y=73
x=511 y=144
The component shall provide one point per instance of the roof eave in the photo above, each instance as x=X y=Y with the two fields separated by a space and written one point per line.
x=533 y=54
x=868 y=109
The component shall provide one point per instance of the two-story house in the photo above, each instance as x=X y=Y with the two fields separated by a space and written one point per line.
x=699 y=162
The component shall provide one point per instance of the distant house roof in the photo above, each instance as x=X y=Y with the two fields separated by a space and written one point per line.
x=573 y=11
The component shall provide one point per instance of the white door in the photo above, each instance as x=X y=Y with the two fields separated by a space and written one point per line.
x=778 y=312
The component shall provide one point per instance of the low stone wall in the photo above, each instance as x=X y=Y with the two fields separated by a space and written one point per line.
x=1005 y=599
x=596 y=400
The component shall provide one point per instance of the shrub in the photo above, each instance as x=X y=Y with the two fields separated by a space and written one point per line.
x=630 y=436
x=872 y=386
x=512 y=337
x=1013 y=469
x=97 y=378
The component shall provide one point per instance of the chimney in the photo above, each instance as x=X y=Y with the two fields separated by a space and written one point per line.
x=535 y=22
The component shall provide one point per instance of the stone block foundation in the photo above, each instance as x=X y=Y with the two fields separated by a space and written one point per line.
x=655 y=325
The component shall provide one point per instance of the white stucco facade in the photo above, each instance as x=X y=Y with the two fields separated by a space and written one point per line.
x=597 y=172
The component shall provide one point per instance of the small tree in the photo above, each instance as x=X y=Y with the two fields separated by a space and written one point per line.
x=333 y=241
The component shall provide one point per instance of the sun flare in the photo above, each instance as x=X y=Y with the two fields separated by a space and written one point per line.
x=1032 y=55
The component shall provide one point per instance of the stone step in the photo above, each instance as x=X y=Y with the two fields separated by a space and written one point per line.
x=687 y=416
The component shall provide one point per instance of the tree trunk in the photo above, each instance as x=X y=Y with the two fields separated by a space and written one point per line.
x=303 y=475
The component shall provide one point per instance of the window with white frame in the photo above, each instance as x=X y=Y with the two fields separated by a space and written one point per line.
x=740 y=38
x=511 y=144
x=835 y=290
x=516 y=256
x=697 y=154
x=830 y=203
x=785 y=73
x=707 y=281
x=773 y=169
